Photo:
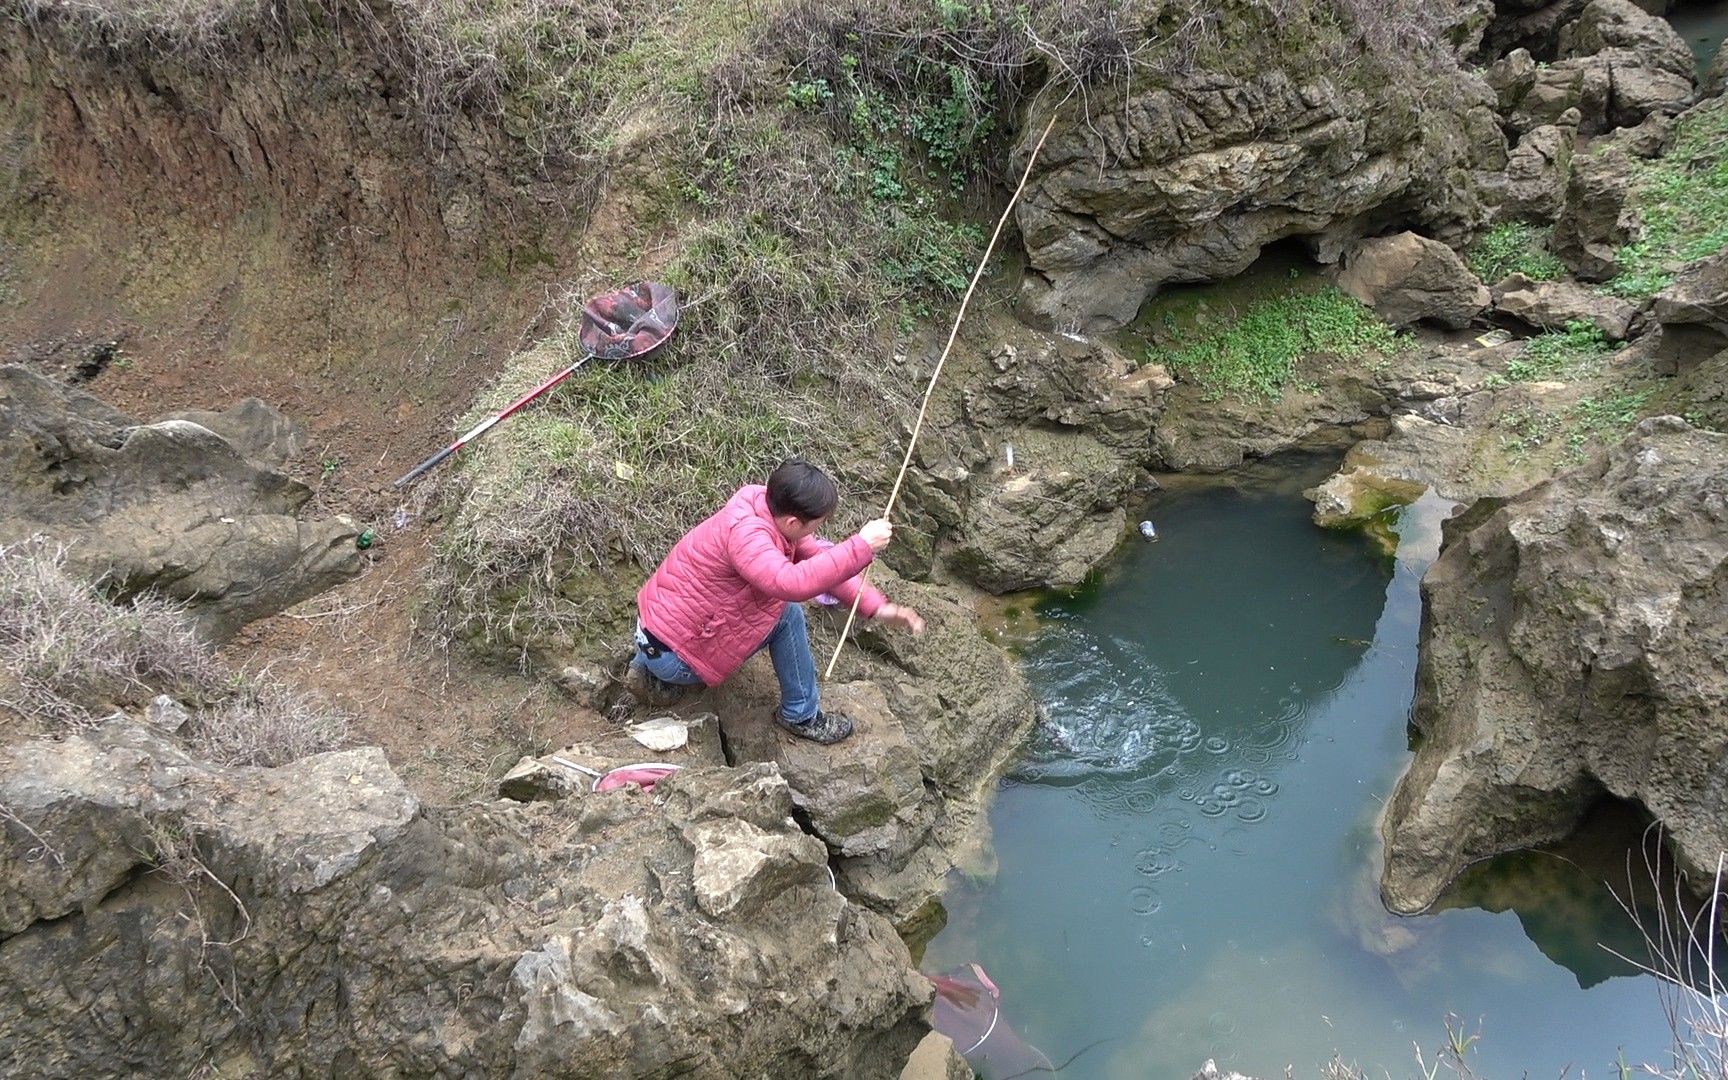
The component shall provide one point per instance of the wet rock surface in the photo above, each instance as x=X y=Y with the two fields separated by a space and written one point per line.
x=170 y=506
x=1571 y=649
x=203 y=915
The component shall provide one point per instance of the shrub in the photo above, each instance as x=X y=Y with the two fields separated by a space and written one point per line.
x=265 y=723
x=66 y=651
x=67 y=655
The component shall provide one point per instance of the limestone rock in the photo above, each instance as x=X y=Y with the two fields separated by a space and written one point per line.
x=1580 y=85
x=1715 y=79
x=938 y=716
x=936 y=1059
x=1550 y=305
x=254 y=428
x=1408 y=278
x=1511 y=77
x=1028 y=428
x=1595 y=219
x=314 y=920
x=169 y=506
x=1648 y=66
x=167 y=714
x=1187 y=182
x=867 y=800
x=1693 y=313
x=1572 y=648
x=1048 y=522
x=1532 y=187
x=1621 y=24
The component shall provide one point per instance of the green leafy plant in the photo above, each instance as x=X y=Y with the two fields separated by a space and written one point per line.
x=1256 y=354
x=1559 y=353
x=1682 y=203
x=1514 y=247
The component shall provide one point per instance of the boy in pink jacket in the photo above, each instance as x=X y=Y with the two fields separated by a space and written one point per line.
x=736 y=583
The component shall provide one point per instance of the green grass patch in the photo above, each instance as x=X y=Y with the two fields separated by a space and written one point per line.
x=1559 y=354
x=1604 y=417
x=1256 y=354
x=1682 y=201
x=1514 y=247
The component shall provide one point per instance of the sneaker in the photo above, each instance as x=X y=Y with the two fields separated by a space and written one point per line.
x=650 y=689
x=824 y=727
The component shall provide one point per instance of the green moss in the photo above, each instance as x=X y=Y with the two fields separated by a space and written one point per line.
x=1256 y=353
x=1682 y=202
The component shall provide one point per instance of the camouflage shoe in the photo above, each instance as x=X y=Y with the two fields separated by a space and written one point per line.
x=826 y=728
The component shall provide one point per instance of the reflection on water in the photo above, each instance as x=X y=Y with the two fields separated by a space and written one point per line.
x=1187 y=854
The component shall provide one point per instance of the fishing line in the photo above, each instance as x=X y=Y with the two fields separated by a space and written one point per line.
x=929 y=391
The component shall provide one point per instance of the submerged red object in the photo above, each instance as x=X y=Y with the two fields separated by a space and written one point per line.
x=629 y=321
x=968 y=1010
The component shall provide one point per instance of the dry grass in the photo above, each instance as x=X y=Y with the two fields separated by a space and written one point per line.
x=68 y=657
x=267 y=724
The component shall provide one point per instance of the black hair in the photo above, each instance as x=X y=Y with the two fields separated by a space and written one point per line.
x=799 y=488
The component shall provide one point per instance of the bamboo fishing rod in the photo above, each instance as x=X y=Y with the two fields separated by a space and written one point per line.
x=929 y=391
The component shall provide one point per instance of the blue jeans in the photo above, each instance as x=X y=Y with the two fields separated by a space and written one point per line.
x=788 y=645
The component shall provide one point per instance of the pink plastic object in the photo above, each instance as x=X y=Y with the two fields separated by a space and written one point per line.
x=644 y=775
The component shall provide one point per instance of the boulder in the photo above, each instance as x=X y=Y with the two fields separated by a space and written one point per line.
x=1580 y=85
x=1550 y=305
x=1595 y=218
x=170 y=507
x=1408 y=278
x=1033 y=443
x=901 y=802
x=868 y=800
x=1532 y=187
x=252 y=427
x=1572 y=650
x=1511 y=77
x=1048 y=521
x=1620 y=24
x=1693 y=313
x=1145 y=184
x=1715 y=78
x=1649 y=68
x=314 y=919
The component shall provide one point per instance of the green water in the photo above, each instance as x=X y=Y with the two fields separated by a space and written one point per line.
x=1187 y=852
x=1703 y=25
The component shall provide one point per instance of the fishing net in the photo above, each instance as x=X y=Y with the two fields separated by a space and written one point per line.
x=629 y=321
x=968 y=1010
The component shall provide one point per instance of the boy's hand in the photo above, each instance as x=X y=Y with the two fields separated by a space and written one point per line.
x=877 y=534
x=902 y=616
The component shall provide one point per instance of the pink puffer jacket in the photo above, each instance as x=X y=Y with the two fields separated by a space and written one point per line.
x=715 y=598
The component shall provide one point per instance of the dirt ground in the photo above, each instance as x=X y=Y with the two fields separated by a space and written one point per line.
x=373 y=402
